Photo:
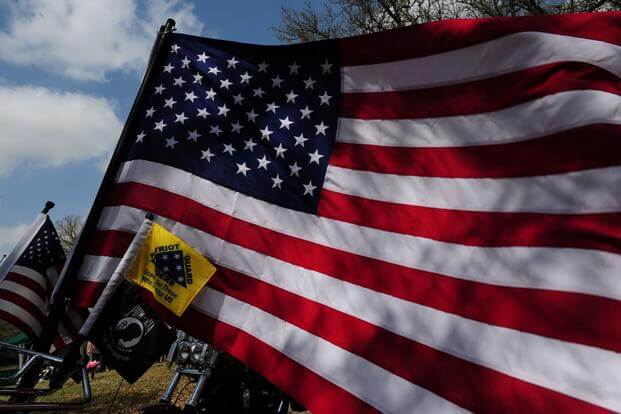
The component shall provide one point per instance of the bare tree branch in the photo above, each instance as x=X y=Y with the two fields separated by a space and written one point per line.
x=68 y=229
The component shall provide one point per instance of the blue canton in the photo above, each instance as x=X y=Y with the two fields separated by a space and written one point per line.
x=260 y=120
x=44 y=251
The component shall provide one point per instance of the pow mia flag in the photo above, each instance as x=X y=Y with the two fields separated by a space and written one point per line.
x=129 y=334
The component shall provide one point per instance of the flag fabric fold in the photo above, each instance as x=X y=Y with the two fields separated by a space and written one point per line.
x=426 y=219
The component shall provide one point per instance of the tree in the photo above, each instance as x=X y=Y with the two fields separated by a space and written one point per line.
x=339 y=18
x=68 y=229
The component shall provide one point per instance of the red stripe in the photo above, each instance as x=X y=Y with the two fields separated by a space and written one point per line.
x=448 y=35
x=110 y=243
x=593 y=146
x=553 y=314
x=471 y=386
x=29 y=283
x=475 y=228
x=315 y=392
x=485 y=95
x=19 y=324
x=24 y=303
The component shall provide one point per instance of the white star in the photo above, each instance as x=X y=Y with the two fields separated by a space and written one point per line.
x=251 y=115
x=326 y=67
x=285 y=123
x=181 y=118
x=321 y=128
x=229 y=148
x=293 y=68
x=242 y=168
x=211 y=94
x=171 y=142
x=139 y=138
x=295 y=169
x=325 y=98
x=225 y=83
x=309 y=188
x=272 y=107
x=160 y=126
x=207 y=154
x=299 y=140
x=170 y=102
x=237 y=99
x=308 y=83
x=150 y=112
x=314 y=157
x=276 y=81
x=245 y=78
x=258 y=92
x=306 y=112
x=263 y=162
x=232 y=62
x=265 y=133
x=263 y=67
x=174 y=48
x=203 y=113
x=250 y=144
x=193 y=135
x=215 y=130
x=168 y=68
x=179 y=82
x=190 y=96
x=197 y=78
x=280 y=151
x=277 y=181
x=214 y=70
x=236 y=127
x=223 y=110
x=291 y=96
x=159 y=89
x=186 y=62
x=202 y=57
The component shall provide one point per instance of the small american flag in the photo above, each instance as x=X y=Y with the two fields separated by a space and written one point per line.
x=427 y=219
x=26 y=289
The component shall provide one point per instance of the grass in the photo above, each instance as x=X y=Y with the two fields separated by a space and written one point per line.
x=146 y=390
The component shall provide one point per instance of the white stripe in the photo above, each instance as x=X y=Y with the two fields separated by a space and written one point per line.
x=94 y=266
x=31 y=274
x=24 y=292
x=378 y=387
x=578 y=192
x=536 y=118
x=563 y=269
x=551 y=363
x=21 y=314
x=492 y=58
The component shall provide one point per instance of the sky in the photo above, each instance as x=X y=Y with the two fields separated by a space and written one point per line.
x=69 y=72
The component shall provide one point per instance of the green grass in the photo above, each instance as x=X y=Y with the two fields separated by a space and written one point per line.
x=146 y=390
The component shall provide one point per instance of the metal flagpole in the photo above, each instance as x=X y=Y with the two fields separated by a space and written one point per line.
x=59 y=299
x=9 y=260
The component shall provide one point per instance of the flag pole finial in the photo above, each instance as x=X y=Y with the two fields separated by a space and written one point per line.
x=48 y=206
x=169 y=26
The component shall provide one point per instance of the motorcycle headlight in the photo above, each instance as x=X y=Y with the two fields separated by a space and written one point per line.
x=196 y=353
x=184 y=352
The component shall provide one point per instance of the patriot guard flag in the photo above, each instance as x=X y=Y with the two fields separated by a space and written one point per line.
x=426 y=219
x=173 y=271
x=27 y=278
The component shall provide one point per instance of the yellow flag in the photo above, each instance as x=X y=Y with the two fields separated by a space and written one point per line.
x=170 y=269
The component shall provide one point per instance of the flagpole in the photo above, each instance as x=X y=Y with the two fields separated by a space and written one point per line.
x=60 y=299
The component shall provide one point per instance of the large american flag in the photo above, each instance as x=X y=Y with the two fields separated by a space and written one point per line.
x=426 y=219
x=27 y=285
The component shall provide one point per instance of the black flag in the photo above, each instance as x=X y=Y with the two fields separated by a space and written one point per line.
x=129 y=334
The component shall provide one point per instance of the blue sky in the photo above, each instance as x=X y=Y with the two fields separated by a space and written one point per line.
x=69 y=72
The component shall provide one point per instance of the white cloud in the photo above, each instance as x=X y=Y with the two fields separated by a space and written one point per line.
x=9 y=237
x=87 y=39
x=42 y=128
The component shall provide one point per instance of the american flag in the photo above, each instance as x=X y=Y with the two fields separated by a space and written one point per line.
x=426 y=219
x=26 y=288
